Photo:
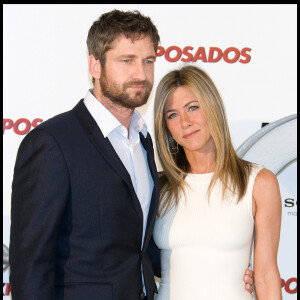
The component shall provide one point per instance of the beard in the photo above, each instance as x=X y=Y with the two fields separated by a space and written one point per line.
x=117 y=93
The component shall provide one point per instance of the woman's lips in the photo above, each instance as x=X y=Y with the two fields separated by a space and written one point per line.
x=189 y=135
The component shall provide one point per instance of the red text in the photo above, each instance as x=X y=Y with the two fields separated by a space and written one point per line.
x=21 y=126
x=6 y=289
x=211 y=55
x=287 y=285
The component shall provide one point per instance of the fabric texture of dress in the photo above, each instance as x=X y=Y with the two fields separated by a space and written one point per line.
x=206 y=244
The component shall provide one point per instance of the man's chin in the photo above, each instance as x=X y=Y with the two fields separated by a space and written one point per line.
x=139 y=99
x=133 y=103
x=129 y=100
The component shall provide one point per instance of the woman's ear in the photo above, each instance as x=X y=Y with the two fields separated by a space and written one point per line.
x=94 y=67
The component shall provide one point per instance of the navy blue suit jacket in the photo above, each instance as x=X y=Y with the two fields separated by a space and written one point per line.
x=76 y=222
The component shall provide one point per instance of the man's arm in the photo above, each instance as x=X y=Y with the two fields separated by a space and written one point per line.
x=39 y=194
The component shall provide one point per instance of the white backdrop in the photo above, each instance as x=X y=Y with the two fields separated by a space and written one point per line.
x=46 y=73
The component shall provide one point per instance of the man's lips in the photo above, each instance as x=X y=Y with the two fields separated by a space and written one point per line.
x=191 y=134
x=137 y=87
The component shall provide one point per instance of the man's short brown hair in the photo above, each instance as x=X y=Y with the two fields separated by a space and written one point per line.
x=112 y=24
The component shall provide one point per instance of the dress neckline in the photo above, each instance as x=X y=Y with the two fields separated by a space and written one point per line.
x=197 y=177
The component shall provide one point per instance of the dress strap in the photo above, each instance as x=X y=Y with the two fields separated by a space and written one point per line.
x=256 y=169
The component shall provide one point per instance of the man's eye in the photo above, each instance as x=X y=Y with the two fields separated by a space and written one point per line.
x=149 y=61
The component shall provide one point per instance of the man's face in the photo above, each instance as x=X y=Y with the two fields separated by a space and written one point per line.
x=128 y=74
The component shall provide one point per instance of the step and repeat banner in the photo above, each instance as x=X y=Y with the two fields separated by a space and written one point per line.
x=250 y=51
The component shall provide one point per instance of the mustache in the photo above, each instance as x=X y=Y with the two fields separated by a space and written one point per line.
x=144 y=83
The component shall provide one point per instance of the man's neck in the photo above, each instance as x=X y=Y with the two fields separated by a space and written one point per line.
x=122 y=114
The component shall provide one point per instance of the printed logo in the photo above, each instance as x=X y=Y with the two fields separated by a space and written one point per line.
x=21 y=126
x=290 y=285
x=212 y=55
x=6 y=289
x=291 y=203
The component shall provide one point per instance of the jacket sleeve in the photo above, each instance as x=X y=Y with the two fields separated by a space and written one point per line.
x=40 y=192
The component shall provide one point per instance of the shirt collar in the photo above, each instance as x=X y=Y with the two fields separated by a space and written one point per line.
x=99 y=112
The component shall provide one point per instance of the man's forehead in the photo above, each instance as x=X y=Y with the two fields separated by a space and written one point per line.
x=131 y=40
x=131 y=37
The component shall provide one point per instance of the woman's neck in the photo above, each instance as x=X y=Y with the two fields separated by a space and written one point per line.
x=201 y=162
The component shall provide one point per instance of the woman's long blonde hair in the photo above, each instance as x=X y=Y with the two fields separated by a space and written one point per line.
x=232 y=171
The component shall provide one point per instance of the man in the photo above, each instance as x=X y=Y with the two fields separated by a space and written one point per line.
x=85 y=189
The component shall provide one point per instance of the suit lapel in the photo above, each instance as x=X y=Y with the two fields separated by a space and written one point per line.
x=105 y=148
x=147 y=143
x=107 y=151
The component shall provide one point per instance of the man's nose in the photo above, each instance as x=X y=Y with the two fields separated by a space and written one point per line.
x=138 y=72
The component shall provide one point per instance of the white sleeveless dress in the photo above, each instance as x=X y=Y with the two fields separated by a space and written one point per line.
x=206 y=245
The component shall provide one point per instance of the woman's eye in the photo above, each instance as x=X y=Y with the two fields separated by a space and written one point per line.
x=194 y=107
x=172 y=116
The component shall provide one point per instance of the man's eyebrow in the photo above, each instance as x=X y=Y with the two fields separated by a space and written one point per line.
x=153 y=57
x=127 y=56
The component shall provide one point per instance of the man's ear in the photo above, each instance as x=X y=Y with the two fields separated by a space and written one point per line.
x=94 y=67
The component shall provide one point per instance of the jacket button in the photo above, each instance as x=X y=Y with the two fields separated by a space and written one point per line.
x=142 y=295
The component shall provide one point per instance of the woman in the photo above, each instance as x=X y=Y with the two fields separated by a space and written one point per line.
x=211 y=200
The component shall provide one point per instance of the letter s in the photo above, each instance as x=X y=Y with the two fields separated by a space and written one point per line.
x=246 y=55
x=186 y=53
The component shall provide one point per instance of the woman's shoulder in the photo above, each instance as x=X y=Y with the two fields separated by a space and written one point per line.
x=265 y=182
x=265 y=176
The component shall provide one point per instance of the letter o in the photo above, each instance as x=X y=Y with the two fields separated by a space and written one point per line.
x=235 y=58
x=18 y=122
x=176 y=58
x=287 y=286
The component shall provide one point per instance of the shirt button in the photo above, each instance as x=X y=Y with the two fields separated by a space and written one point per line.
x=142 y=295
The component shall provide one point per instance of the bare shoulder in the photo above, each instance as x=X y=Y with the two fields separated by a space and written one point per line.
x=266 y=185
x=265 y=178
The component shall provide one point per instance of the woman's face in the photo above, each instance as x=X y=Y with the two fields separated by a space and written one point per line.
x=186 y=121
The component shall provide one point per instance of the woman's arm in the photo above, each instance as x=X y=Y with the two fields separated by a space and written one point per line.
x=267 y=214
